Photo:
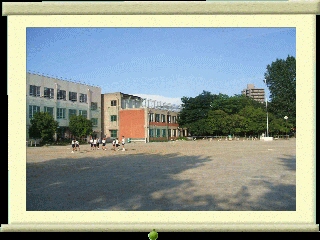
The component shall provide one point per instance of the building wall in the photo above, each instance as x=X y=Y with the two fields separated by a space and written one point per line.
x=132 y=123
x=107 y=111
x=93 y=95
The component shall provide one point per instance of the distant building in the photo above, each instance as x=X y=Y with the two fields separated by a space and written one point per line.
x=257 y=94
x=138 y=118
x=113 y=114
x=62 y=99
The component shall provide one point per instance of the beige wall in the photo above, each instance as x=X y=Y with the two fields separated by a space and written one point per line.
x=93 y=95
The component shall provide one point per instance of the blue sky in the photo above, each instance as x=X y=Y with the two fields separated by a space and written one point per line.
x=166 y=62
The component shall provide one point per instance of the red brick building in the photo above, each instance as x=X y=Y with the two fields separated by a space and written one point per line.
x=137 y=119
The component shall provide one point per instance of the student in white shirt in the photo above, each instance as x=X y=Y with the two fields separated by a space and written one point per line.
x=91 y=143
x=104 y=144
x=95 y=144
x=123 y=141
x=117 y=143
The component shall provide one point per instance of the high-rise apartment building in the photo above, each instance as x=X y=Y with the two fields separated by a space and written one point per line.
x=257 y=94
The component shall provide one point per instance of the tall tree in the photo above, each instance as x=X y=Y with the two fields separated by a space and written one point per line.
x=194 y=110
x=43 y=126
x=280 y=78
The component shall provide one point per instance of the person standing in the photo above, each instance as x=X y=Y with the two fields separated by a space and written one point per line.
x=77 y=146
x=114 y=144
x=95 y=144
x=117 y=144
x=123 y=141
x=98 y=143
x=91 y=143
x=104 y=144
x=73 y=145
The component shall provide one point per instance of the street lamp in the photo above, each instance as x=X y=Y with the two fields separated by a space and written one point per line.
x=265 y=81
x=286 y=118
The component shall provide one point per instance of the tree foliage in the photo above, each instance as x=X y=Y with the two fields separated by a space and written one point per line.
x=224 y=115
x=79 y=126
x=280 y=78
x=43 y=126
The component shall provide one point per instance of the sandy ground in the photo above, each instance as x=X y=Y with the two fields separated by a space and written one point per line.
x=197 y=175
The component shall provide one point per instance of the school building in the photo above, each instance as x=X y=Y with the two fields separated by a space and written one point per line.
x=62 y=99
x=139 y=119
x=113 y=114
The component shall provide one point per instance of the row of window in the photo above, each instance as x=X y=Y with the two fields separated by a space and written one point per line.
x=161 y=117
x=61 y=113
x=162 y=132
x=61 y=94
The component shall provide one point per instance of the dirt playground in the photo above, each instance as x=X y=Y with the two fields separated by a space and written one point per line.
x=196 y=175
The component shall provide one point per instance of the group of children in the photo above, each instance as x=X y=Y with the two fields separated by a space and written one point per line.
x=95 y=143
x=75 y=145
x=115 y=144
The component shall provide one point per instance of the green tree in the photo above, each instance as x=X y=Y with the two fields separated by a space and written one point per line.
x=217 y=120
x=194 y=111
x=234 y=104
x=43 y=126
x=280 y=78
x=79 y=126
x=254 y=120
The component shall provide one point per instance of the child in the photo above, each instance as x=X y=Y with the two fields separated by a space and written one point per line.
x=117 y=143
x=123 y=141
x=104 y=144
x=73 y=145
x=113 y=144
x=95 y=144
x=98 y=142
x=77 y=146
x=91 y=143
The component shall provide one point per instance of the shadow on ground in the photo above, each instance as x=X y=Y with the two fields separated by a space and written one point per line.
x=133 y=182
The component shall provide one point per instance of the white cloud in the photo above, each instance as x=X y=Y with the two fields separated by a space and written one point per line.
x=162 y=99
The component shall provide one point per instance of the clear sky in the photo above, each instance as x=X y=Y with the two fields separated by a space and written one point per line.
x=168 y=62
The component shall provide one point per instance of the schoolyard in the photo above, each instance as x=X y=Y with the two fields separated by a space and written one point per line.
x=196 y=175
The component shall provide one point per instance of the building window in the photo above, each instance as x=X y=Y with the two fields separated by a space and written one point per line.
x=61 y=94
x=163 y=118
x=157 y=117
x=83 y=113
x=113 y=133
x=151 y=133
x=174 y=119
x=113 y=118
x=163 y=133
x=72 y=96
x=94 y=121
x=158 y=132
x=72 y=112
x=113 y=102
x=83 y=98
x=169 y=118
x=169 y=132
x=94 y=105
x=61 y=113
x=32 y=110
x=34 y=91
x=48 y=93
x=151 y=117
x=174 y=132
x=49 y=110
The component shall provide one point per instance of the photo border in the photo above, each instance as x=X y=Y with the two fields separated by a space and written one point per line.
x=38 y=14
